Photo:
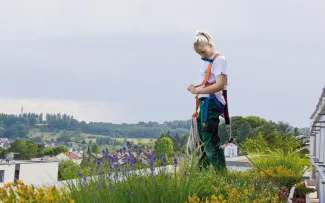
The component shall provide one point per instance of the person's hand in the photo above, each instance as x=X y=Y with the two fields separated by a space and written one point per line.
x=192 y=89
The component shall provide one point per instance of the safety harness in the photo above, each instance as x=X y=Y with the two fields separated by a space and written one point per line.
x=222 y=110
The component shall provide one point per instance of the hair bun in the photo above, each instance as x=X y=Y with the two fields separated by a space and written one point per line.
x=203 y=38
x=204 y=33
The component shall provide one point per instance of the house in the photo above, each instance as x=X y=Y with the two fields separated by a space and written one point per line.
x=46 y=158
x=231 y=150
x=49 y=144
x=3 y=140
x=4 y=143
x=69 y=156
x=29 y=171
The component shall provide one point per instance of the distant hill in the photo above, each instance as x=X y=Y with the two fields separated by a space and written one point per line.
x=13 y=126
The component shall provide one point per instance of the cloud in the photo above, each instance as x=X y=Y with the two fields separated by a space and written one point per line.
x=138 y=54
x=39 y=19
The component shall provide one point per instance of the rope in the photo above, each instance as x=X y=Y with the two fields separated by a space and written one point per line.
x=194 y=140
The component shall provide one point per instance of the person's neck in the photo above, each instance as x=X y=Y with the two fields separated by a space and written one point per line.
x=212 y=54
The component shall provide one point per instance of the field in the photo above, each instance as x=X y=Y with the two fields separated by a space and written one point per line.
x=87 y=137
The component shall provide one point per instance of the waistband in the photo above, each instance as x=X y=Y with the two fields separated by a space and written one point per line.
x=202 y=98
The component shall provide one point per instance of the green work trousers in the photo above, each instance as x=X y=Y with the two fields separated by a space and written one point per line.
x=212 y=153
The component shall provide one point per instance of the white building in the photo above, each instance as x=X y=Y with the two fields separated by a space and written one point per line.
x=317 y=151
x=30 y=172
x=231 y=150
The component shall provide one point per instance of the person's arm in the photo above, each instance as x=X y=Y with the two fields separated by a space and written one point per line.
x=219 y=69
x=221 y=81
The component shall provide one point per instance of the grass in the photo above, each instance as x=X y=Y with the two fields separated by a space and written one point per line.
x=136 y=140
x=172 y=184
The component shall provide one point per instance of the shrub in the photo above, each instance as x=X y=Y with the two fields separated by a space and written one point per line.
x=19 y=192
x=282 y=168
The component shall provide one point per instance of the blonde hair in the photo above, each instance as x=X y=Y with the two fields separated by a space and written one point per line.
x=203 y=38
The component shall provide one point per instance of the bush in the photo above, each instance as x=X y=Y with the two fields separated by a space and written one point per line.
x=282 y=168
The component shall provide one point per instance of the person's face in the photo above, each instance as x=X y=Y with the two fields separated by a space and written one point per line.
x=205 y=51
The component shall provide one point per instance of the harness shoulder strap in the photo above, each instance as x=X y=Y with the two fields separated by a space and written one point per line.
x=204 y=83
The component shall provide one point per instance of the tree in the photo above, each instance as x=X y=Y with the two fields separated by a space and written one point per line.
x=243 y=131
x=182 y=139
x=95 y=148
x=55 y=150
x=296 y=132
x=2 y=152
x=283 y=127
x=32 y=149
x=40 y=118
x=255 y=145
x=19 y=146
x=268 y=130
x=68 y=170
x=255 y=121
x=60 y=149
x=164 y=145
x=1 y=131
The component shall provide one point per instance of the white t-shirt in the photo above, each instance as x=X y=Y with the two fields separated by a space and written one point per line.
x=219 y=66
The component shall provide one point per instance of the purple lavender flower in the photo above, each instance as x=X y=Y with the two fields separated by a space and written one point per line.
x=131 y=194
x=161 y=155
x=79 y=174
x=129 y=145
x=152 y=162
x=163 y=159
x=109 y=176
x=148 y=155
x=85 y=181
x=185 y=172
x=175 y=161
x=115 y=158
x=131 y=159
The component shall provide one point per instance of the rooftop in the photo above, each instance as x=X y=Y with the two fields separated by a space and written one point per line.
x=3 y=162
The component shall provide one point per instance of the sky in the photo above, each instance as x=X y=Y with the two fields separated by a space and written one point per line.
x=130 y=61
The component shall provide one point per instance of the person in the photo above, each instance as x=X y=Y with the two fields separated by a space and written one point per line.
x=210 y=96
